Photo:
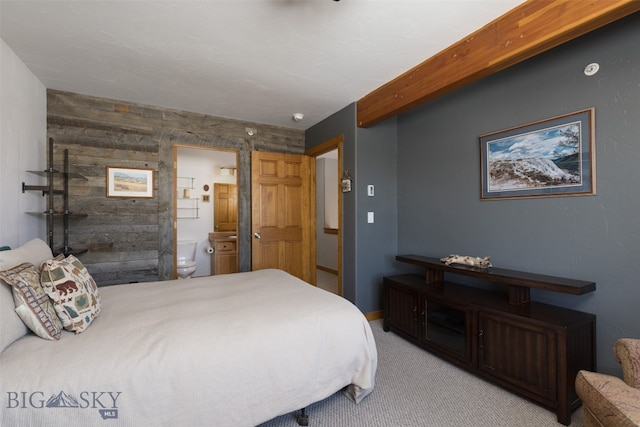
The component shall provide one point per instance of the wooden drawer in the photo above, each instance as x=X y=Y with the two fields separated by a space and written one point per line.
x=228 y=246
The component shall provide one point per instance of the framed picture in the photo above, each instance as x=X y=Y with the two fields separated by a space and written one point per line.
x=553 y=157
x=346 y=185
x=346 y=182
x=129 y=182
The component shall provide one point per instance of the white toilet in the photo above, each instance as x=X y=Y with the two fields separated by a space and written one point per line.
x=186 y=258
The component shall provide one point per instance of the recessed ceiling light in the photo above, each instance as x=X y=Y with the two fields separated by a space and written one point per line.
x=298 y=117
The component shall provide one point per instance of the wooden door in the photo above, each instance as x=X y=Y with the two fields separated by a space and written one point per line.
x=225 y=207
x=281 y=212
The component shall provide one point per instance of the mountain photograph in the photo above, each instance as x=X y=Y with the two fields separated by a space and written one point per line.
x=543 y=158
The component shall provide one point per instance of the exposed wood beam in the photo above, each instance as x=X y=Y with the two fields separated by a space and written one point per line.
x=525 y=31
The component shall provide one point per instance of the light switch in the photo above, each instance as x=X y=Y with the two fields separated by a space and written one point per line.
x=370 y=217
x=370 y=190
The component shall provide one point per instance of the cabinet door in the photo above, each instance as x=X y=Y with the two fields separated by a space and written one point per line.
x=401 y=308
x=518 y=353
x=446 y=328
x=226 y=258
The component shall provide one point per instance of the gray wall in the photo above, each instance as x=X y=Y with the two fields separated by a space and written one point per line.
x=368 y=249
x=593 y=238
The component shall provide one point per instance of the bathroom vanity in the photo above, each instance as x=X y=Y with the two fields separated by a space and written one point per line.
x=224 y=258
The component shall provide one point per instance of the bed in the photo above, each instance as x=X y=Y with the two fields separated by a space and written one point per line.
x=231 y=350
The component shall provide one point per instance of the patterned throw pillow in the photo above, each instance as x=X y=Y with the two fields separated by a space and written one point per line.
x=73 y=291
x=32 y=303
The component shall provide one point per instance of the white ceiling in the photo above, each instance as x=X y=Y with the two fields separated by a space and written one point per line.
x=254 y=60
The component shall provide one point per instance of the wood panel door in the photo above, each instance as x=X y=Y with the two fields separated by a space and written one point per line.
x=523 y=354
x=281 y=212
x=225 y=207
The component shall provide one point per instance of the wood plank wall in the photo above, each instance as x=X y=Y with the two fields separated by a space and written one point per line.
x=131 y=240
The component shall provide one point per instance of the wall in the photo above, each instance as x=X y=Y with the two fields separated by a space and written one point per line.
x=593 y=238
x=23 y=116
x=133 y=239
x=368 y=250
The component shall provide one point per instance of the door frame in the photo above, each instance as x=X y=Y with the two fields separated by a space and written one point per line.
x=174 y=196
x=334 y=143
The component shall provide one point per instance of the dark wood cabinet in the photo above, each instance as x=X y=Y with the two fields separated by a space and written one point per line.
x=531 y=348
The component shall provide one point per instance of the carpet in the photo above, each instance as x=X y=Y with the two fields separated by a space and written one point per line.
x=415 y=388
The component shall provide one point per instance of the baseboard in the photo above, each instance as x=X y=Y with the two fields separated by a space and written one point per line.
x=374 y=315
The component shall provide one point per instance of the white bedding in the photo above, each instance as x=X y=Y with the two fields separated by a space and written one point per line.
x=231 y=350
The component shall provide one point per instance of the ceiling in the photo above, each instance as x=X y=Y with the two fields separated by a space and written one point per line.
x=255 y=60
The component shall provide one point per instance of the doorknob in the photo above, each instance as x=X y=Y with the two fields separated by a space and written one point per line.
x=256 y=235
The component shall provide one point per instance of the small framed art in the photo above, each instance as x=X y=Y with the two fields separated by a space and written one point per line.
x=129 y=182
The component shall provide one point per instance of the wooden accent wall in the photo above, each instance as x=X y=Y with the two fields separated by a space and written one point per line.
x=131 y=240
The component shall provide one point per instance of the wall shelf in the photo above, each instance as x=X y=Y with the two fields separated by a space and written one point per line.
x=50 y=191
x=187 y=206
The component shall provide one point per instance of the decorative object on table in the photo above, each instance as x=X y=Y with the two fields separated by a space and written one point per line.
x=129 y=182
x=552 y=157
x=346 y=181
x=467 y=260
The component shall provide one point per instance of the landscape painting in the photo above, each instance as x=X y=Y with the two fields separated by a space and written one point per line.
x=553 y=157
x=129 y=182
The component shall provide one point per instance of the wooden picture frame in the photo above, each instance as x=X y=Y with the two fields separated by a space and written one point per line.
x=552 y=157
x=129 y=182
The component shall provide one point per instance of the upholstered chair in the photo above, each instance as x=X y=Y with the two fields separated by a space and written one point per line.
x=608 y=400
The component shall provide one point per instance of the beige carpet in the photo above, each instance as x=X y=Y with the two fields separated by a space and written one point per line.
x=415 y=388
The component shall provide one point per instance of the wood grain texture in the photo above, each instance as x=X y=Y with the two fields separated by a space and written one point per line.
x=527 y=30
x=132 y=240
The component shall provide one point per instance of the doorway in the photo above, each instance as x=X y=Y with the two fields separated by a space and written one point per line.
x=196 y=170
x=328 y=263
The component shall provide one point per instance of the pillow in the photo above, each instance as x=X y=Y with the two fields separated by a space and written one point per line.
x=35 y=251
x=73 y=291
x=11 y=326
x=32 y=303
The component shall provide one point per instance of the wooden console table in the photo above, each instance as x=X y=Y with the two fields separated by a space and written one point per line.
x=531 y=348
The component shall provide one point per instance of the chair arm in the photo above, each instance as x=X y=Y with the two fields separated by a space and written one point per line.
x=627 y=352
x=608 y=399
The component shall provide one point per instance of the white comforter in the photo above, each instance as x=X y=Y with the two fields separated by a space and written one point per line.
x=232 y=350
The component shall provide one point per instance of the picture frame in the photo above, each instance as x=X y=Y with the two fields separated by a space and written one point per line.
x=346 y=185
x=554 y=157
x=129 y=182
x=346 y=182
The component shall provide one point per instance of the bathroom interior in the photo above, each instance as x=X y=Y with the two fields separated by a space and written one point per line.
x=200 y=172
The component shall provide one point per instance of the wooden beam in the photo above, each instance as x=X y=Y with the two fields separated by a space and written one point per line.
x=525 y=31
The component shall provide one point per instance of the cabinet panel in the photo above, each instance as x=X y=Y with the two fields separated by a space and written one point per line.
x=226 y=263
x=518 y=353
x=401 y=309
x=447 y=327
x=225 y=257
